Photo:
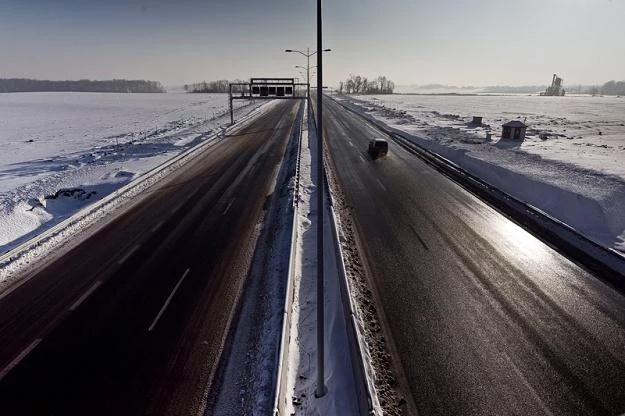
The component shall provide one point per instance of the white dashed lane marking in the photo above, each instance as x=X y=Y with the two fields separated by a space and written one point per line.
x=227 y=208
x=130 y=253
x=19 y=358
x=381 y=185
x=85 y=295
x=171 y=295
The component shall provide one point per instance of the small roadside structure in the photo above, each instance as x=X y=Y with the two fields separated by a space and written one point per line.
x=477 y=120
x=514 y=129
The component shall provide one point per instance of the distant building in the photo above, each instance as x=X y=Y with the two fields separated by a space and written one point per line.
x=514 y=129
x=556 y=87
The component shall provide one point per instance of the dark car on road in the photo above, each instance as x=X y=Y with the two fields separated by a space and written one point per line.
x=378 y=148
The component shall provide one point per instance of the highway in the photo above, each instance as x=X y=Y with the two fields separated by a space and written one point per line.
x=133 y=320
x=483 y=318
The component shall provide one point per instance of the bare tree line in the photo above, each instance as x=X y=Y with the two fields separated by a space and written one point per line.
x=357 y=84
x=219 y=86
x=613 y=88
x=83 y=85
x=608 y=88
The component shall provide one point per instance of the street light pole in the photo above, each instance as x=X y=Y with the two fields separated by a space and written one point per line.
x=307 y=54
x=308 y=68
x=321 y=388
x=308 y=73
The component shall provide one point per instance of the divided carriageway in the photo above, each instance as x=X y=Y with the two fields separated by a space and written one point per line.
x=481 y=317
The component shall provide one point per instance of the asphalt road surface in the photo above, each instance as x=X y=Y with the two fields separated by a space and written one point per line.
x=132 y=321
x=485 y=318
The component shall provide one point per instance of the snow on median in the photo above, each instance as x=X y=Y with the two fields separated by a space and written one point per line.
x=302 y=366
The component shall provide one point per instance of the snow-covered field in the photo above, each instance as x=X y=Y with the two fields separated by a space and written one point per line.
x=571 y=164
x=62 y=151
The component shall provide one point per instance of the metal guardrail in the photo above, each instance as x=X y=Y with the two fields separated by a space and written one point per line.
x=606 y=263
x=364 y=379
x=368 y=402
x=101 y=206
x=365 y=385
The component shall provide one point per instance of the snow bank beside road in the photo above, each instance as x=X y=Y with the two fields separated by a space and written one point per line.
x=70 y=232
x=578 y=179
x=95 y=142
x=27 y=217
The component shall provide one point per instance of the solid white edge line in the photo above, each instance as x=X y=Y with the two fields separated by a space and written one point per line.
x=171 y=295
x=19 y=358
x=227 y=208
x=85 y=295
x=130 y=253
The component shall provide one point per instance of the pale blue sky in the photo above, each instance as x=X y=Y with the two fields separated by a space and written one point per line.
x=478 y=42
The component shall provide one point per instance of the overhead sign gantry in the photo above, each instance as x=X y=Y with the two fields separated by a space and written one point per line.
x=272 y=87
x=265 y=88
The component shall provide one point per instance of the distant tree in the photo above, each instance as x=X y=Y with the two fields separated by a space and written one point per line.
x=239 y=89
x=507 y=89
x=83 y=85
x=220 y=86
x=386 y=86
x=357 y=84
x=594 y=90
x=382 y=81
x=349 y=86
x=613 y=88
